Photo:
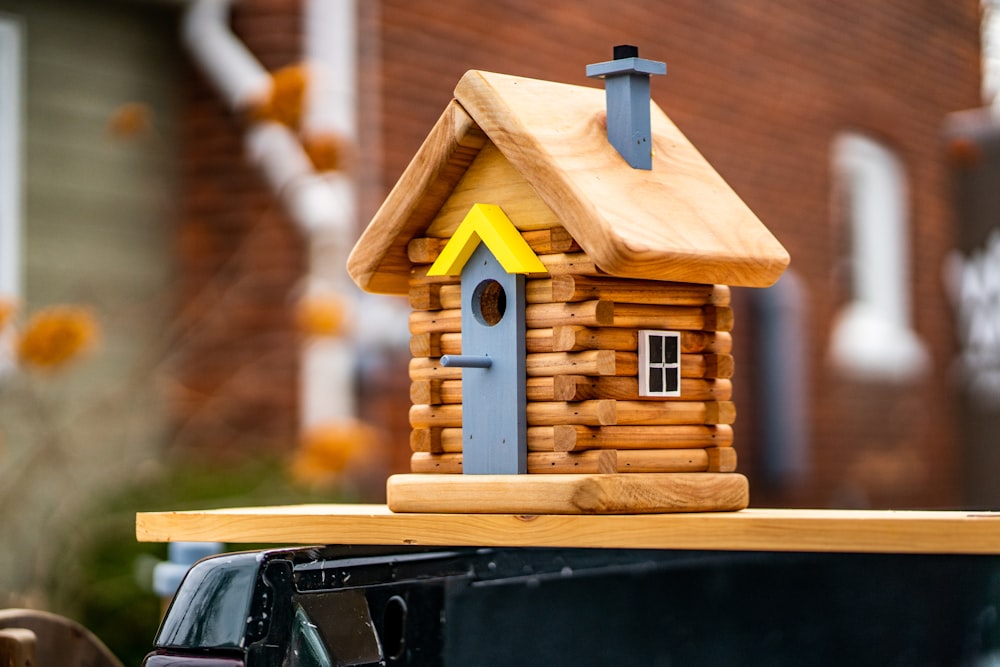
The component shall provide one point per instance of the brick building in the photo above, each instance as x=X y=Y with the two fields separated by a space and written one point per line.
x=822 y=117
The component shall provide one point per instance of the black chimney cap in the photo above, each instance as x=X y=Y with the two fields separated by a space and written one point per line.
x=626 y=51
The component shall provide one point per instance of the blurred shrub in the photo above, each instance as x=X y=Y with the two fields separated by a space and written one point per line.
x=105 y=582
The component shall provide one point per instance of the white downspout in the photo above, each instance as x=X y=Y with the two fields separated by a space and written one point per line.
x=327 y=380
x=322 y=205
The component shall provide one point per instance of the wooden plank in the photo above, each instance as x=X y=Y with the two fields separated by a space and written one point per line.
x=567 y=493
x=624 y=290
x=597 y=461
x=436 y=344
x=585 y=388
x=586 y=313
x=378 y=262
x=569 y=263
x=685 y=412
x=556 y=264
x=567 y=438
x=424 y=250
x=719 y=366
x=539 y=316
x=641 y=316
x=591 y=362
x=425 y=439
x=491 y=179
x=573 y=338
x=427 y=296
x=593 y=314
x=438 y=296
x=662 y=460
x=576 y=337
x=449 y=440
x=677 y=460
x=438 y=392
x=687 y=226
x=587 y=413
x=784 y=530
x=722 y=460
x=436 y=321
x=684 y=436
x=429 y=344
x=575 y=388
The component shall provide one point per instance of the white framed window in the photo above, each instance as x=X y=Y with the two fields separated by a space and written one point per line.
x=659 y=363
x=872 y=337
x=10 y=157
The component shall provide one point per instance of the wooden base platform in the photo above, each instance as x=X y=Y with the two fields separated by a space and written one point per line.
x=639 y=493
x=846 y=531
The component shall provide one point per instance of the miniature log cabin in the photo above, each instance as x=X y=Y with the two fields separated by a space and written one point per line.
x=568 y=263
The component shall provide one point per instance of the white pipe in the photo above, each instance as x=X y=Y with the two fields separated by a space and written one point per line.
x=313 y=202
x=224 y=59
x=322 y=205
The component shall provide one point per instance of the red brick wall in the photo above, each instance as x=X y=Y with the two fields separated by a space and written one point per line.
x=762 y=89
x=234 y=372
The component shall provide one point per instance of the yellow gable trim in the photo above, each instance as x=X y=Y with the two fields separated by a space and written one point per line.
x=486 y=223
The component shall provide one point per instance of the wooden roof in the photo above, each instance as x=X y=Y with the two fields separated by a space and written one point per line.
x=678 y=221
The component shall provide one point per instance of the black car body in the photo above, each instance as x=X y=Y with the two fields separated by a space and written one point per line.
x=338 y=606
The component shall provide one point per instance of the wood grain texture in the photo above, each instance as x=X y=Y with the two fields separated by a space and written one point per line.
x=568 y=494
x=568 y=387
x=548 y=163
x=603 y=461
x=574 y=438
x=595 y=461
x=378 y=262
x=573 y=339
x=492 y=179
x=425 y=249
x=789 y=530
x=720 y=366
x=582 y=288
x=567 y=438
x=603 y=412
x=678 y=221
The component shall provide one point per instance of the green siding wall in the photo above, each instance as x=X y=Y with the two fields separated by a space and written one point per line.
x=96 y=231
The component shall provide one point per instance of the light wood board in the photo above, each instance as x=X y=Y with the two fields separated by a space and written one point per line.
x=667 y=490
x=868 y=531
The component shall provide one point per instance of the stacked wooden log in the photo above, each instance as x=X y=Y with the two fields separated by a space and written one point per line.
x=584 y=411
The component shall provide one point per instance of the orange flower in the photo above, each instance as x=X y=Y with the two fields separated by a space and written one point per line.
x=328 y=450
x=7 y=309
x=328 y=151
x=130 y=120
x=320 y=315
x=56 y=335
x=288 y=91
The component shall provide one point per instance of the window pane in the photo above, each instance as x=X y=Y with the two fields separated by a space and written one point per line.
x=673 y=381
x=655 y=380
x=656 y=349
x=671 y=345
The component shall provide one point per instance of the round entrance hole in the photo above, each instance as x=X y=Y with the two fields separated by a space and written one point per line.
x=489 y=302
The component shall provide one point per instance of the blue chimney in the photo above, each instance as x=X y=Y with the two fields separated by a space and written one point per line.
x=626 y=85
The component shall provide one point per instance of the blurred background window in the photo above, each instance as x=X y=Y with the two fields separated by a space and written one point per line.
x=872 y=336
x=10 y=157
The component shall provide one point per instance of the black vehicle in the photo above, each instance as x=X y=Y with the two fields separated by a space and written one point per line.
x=334 y=606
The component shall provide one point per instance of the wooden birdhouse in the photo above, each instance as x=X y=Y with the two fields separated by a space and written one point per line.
x=567 y=254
